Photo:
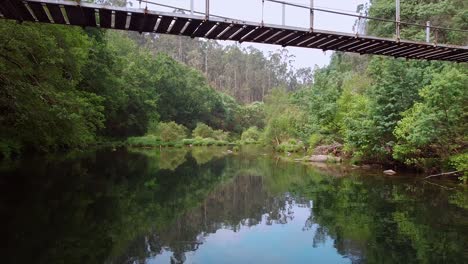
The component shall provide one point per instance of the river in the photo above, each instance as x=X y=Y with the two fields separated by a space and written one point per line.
x=204 y=205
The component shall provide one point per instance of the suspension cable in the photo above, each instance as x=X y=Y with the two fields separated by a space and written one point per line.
x=362 y=16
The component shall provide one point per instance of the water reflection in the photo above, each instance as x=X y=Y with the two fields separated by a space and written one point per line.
x=206 y=206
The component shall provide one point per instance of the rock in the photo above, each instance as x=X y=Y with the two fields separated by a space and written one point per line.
x=335 y=149
x=324 y=158
x=389 y=172
x=229 y=151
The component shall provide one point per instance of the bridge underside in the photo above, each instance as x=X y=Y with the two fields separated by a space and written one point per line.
x=140 y=20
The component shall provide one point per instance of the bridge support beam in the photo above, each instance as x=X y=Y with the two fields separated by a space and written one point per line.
x=311 y=15
x=207 y=9
x=428 y=31
x=284 y=14
x=397 y=19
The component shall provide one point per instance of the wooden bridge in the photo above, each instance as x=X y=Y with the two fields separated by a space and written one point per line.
x=219 y=28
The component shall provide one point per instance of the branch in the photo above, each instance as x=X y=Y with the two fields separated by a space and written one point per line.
x=442 y=174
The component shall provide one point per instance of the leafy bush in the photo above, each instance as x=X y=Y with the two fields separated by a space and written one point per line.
x=291 y=146
x=460 y=162
x=203 y=131
x=171 y=131
x=252 y=134
x=220 y=135
x=314 y=140
x=188 y=141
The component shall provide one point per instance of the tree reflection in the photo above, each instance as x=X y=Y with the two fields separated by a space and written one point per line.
x=127 y=207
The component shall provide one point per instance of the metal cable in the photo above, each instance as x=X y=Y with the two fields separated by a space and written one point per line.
x=365 y=17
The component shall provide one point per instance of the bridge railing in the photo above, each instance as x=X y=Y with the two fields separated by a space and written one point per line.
x=422 y=32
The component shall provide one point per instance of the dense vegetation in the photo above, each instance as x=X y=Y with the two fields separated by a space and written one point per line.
x=385 y=110
x=65 y=87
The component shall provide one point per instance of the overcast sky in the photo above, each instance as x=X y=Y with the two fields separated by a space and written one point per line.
x=251 y=10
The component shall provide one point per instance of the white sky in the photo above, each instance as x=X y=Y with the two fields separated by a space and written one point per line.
x=251 y=10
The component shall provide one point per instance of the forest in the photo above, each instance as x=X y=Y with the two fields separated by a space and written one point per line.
x=65 y=87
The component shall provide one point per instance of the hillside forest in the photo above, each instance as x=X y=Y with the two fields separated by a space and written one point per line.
x=64 y=88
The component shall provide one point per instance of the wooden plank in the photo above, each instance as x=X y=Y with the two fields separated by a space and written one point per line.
x=75 y=16
x=203 y=29
x=407 y=52
x=194 y=24
x=330 y=46
x=179 y=25
x=135 y=21
x=39 y=12
x=56 y=14
x=148 y=23
x=10 y=11
x=6 y=12
x=363 y=44
x=105 y=18
x=164 y=24
x=89 y=16
x=263 y=37
x=279 y=36
x=329 y=42
x=233 y=29
x=22 y=10
x=318 y=41
x=403 y=49
x=120 y=19
x=288 y=39
x=382 y=45
x=246 y=30
x=218 y=28
x=256 y=33
x=450 y=55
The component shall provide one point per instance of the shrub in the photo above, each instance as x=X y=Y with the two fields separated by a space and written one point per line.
x=188 y=141
x=203 y=131
x=291 y=146
x=252 y=134
x=314 y=140
x=460 y=162
x=220 y=135
x=171 y=131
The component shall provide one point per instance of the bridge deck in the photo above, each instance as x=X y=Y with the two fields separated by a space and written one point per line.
x=140 y=20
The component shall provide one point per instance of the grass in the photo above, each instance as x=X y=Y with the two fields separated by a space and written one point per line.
x=290 y=146
x=154 y=141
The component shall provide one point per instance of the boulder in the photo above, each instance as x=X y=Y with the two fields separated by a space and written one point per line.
x=324 y=158
x=389 y=172
x=334 y=149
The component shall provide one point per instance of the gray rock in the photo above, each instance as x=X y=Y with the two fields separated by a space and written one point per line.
x=324 y=158
x=389 y=172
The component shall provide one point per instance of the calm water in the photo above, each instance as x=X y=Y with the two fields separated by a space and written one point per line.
x=207 y=206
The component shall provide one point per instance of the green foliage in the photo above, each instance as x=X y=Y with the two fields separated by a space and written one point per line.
x=220 y=135
x=202 y=130
x=291 y=146
x=252 y=134
x=171 y=131
x=314 y=140
x=42 y=107
x=145 y=141
x=460 y=163
x=435 y=127
x=284 y=119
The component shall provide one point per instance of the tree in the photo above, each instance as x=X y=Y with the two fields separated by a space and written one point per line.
x=435 y=128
